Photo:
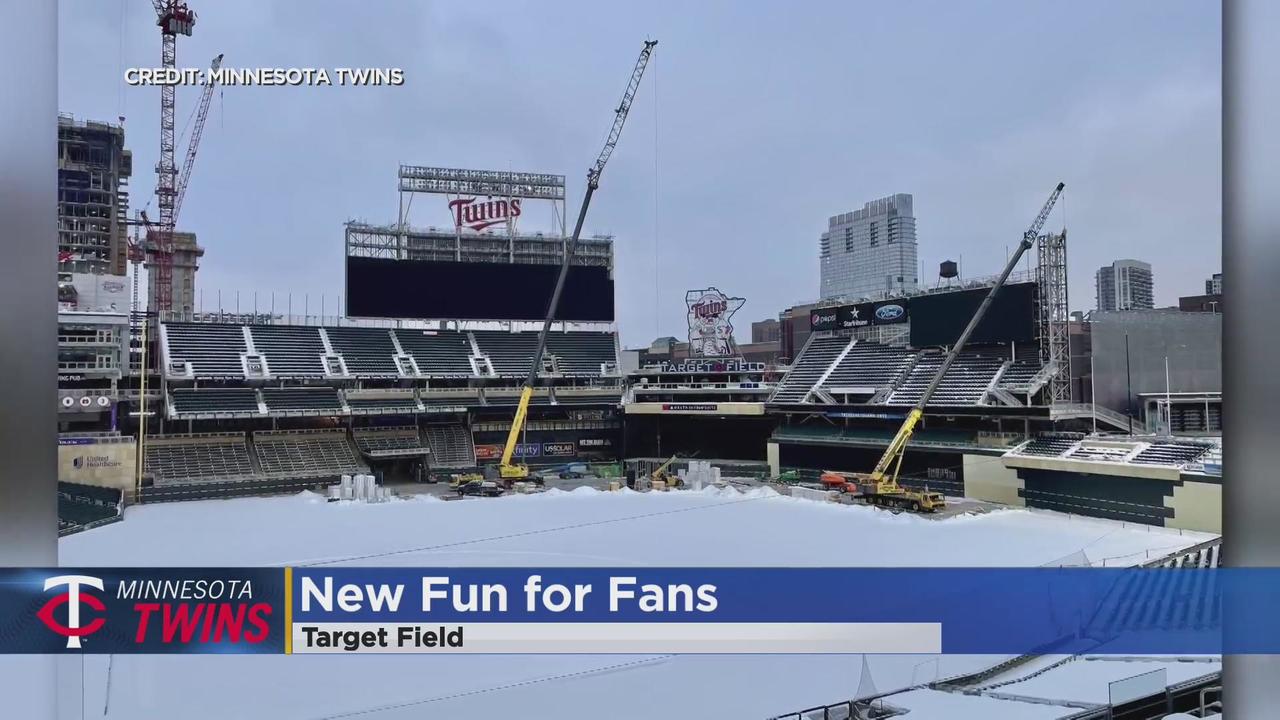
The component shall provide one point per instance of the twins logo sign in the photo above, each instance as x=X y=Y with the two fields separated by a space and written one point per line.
x=72 y=598
x=710 y=332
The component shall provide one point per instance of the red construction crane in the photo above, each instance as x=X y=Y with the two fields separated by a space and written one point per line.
x=174 y=18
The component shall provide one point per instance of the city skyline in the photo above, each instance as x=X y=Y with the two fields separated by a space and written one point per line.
x=717 y=198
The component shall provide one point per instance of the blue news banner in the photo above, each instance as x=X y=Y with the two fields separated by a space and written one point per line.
x=640 y=610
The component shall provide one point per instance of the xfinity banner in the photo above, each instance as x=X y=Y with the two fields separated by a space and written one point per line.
x=346 y=610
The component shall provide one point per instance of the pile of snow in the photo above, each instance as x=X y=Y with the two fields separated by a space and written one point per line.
x=583 y=527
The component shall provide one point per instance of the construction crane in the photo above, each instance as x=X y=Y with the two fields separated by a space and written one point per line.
x=507 y=470
x=880 y=486
x=160 y=235
x=174 y=18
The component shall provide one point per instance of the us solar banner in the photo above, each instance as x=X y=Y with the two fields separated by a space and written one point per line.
x=640 y=610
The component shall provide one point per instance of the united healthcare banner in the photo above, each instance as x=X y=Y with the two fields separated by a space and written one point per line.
x=343 y=611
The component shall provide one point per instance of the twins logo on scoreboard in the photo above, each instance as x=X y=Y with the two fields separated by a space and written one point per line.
x=480 y=215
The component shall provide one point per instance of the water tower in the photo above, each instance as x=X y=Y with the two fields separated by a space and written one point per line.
x=948 y=271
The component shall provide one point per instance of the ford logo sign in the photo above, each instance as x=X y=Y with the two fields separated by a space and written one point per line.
x=890 y=312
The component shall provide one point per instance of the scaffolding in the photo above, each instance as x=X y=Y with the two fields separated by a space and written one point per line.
x=1054 y=317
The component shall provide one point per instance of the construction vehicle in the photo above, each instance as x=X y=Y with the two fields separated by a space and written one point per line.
x=508 y=471
x=568 y=471
x=460 y=479
x=880 y=486
x=661 y=475
x=787 y=477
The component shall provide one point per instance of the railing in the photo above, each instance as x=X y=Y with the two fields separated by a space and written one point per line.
x=1087 y=409
x=257 y=314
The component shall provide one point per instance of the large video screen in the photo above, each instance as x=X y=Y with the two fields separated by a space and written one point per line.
x=384 y=288
x=938 y=319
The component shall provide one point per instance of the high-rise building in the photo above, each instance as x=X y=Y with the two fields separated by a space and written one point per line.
x=186 y=260
x=763 y=331
x=1125 y=285
x=93 y=197
x=870 y=253
x=1213 y=286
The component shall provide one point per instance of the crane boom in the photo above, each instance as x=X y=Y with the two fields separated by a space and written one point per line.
x=202 y=114
x=894 y=453
x=593 y=181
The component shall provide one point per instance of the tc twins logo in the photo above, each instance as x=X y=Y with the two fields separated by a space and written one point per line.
x=72 y=598
x=480 y=215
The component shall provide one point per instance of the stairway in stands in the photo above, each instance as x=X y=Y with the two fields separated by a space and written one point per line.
x=451 y=446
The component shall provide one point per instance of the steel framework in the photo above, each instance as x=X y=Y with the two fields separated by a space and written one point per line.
x=174 y=18
x=1054 y=319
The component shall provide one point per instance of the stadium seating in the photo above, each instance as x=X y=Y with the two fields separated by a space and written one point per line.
x=1050 y=445
x=438 y=353
x=75 y=514
x=212 y=350
x=367 y=352
x=588 y=397
x=1169 y=453
x=383 y=404
x=964 y=384
x=213 y=401
x=868 y=365
x=509 y=353
x=581 y=353
x=817 y=356
x=290 y=350
x=1103 y=453
x=1019 y=374
x=390 y=442
x=180 y=459
x=306 y=453
x=318 y=400
x=541 y=396
x=448 y=400
x=81 y=507
x=451 y=445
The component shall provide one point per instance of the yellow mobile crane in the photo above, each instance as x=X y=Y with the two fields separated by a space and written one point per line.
x=508 y=471
x=880 y=486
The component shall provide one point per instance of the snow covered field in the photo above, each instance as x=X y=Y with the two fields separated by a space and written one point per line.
x=580 y=528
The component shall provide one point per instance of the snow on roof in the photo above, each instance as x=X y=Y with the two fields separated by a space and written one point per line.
x=1086 y=680
x=938 y=705
x=580 y=528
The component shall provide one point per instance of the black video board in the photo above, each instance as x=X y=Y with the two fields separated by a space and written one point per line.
x=938 y=319
x=385 y=288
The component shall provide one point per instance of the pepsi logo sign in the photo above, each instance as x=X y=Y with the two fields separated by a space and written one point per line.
x=889 y=313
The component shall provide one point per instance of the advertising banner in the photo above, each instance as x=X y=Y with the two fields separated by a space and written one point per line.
x=557 y=449
x=89 y=292
x=526 y=450
x=347 y=610
x=108 y=462
x=823 y=319
x=488 y=452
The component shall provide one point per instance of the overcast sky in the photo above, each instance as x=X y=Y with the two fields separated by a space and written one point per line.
x=755 y=122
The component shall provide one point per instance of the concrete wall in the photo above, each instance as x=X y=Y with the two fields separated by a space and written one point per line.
x=986 y=478
x=1191 y=341
x=1196 y=506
